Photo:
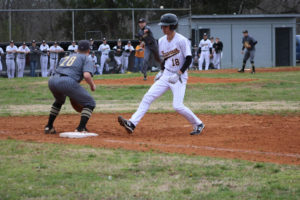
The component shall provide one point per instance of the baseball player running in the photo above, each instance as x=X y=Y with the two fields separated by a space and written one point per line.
x=65 y=82
x=175 y=50
x=21 y=58
x=1 y=53
x=73 y=48
x=205 y=52
x=104 y=48
x=126 y=53
x=54 y=50
x=11 y=49
x=44 y=48
x=248 y=43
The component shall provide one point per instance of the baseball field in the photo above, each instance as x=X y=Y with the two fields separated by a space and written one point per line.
x=249 y=149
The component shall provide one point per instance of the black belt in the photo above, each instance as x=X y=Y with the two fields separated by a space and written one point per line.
x=60 y=75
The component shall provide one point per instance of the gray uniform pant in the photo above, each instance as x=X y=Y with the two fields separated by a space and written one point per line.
x=249 y=54
x=53 y=65
x=149 y=53
x=44 y=65
x=125 y=63
x=217 y=60
x=21 y=66
x=10 y=64
x=1 y=68
x=63 y=86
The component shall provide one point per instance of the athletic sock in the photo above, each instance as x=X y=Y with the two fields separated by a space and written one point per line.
x=53 y=114
x=85 y=116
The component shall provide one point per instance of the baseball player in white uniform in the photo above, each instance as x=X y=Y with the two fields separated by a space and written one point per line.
x=176 y=52
x=11 y=49
x=44 y=48
x=95 y=62
x=1 y=53
x=21 y=58
x=104 y=48
x=126 y=53
x=54 y=50
x=73 y=48
x=205 y=52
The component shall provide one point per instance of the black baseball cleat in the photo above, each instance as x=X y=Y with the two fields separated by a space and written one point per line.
x=127 y=124
x=49 y=130
x=145 y=78
x=198 y=129
x=241 y=70
x=81 y=130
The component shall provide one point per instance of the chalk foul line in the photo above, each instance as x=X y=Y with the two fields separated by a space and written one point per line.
x=205 y=148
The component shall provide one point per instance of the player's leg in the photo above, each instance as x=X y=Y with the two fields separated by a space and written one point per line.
x=19 y=66
x=146 y=62
x=102 y=63
x=51 y=68
x=178 y=90
x=23 y=67
x=200 y=61
x=156 y=90
x=8 y=67
x=106 y=64
x=246 y=57
x=126 y=63
x=252 y=54
x=207 y=60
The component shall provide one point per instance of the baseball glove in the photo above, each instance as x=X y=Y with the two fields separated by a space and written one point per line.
x=247 y=45
x=76 y=105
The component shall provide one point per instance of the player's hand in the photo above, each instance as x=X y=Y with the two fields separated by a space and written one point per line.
x=174 y=78
x=146 y=30
x=158 y=75
x=93 y=87
x=242 y=52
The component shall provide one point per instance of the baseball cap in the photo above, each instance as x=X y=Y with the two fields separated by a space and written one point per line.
x=204 y=34
x=129 y=42
x=83 y=45
x=24 y=43
x=91 y=39
x=73 y=41
x=104 y=39
x=245 y=31
x=141 y=20
x=55 y=42
x=33 y=41
x=119 y=40
x=11 y=41
x=211 y=38
x=44 y=41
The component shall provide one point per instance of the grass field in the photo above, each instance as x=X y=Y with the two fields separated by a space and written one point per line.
x=30 y=170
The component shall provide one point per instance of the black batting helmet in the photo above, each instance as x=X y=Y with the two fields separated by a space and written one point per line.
x=169 y=19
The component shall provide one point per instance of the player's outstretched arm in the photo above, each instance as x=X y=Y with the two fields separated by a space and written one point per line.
x=88 y=78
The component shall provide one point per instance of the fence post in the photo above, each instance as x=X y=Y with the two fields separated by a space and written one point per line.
x=133 y=24
x=9 y=25
x=73 y=26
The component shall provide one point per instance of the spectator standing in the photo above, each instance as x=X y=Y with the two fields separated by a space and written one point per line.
x=34 y=57
x=139 y=56
x=11 y=49
x=21 y=59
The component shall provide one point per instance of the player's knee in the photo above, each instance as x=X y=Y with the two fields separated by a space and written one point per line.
x=58 y=104
x=148 y=98
x=178 y=107
x=90 y=107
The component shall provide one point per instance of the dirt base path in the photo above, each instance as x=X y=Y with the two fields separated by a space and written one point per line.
x=267 y=138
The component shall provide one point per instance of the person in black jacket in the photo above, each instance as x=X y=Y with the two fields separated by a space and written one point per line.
x=218 y=46
x=248 y=43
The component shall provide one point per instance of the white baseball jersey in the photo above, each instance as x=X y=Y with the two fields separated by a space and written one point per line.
x=54 y=55
x=11 y=55
x=1 y=52
x=104 y=49
x=174 y=52
x=44 y=48
x=94 y=59
x=128 y=48
x=73 y=48
x=205 y=45
x=24 y=51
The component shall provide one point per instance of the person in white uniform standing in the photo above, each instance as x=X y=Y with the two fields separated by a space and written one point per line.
x=204 y=52
x=176 y=52
x=1 y=53
x=104 y=48
x=126 y=53
x=44 y=48
x=11 y=49
x=21 y=58
x=54 y=50
x=95 y=62
x=73 y=48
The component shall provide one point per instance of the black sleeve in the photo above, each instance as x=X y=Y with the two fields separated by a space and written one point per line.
x=210 y=50
x=243 y=44
x=199 y=51
x=162 y=65
x=186 y=64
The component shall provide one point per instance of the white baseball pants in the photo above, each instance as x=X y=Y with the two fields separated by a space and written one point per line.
x=1 y=68
x=53 y=65
x=21 y=66
x=10 y=64
x=125 y=63
x=103 y=63
x=44 y=65
x=204 y=56
x=159 y=88
x=118 y=59
x=217 y=58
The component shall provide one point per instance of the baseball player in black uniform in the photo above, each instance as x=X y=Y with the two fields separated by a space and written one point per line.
x=65 y=82
x=151 y=48
x=248 y=43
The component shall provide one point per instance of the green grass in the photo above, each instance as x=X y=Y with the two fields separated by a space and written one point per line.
x=49 y=171
x=282 y=88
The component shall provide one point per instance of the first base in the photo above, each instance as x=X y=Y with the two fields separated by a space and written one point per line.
x=77 y=135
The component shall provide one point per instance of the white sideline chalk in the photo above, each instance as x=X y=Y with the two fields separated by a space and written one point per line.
x=77 y=135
